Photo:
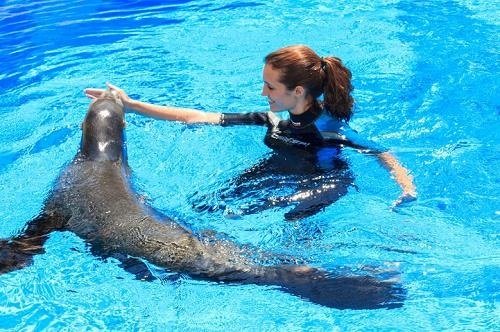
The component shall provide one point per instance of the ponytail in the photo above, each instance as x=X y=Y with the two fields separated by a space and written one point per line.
x=337 y=88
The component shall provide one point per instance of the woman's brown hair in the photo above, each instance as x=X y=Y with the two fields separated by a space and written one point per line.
x=300 y=65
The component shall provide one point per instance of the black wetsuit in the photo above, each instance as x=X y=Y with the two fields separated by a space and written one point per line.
x=305 y=169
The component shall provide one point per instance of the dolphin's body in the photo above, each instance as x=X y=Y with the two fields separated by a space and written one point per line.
x=94 y=199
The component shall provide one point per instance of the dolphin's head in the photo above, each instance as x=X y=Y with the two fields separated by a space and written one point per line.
x=103 y=136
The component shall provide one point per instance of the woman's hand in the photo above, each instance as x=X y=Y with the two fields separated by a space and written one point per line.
x=406 y=197
x=93 y=93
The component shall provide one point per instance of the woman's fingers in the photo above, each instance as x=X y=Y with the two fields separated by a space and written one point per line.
x=111 y=86
x=114 y=87
x=404 y=199
x=93 y=93
x=119 y=92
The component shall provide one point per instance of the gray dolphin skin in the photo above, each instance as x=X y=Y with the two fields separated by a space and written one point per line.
x=94 y=199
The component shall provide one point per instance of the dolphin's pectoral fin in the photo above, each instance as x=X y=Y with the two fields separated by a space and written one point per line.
x=17 y=252
x=136 y=267
x=130 y=264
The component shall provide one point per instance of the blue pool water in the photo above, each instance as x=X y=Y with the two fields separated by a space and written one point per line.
x=426 y=86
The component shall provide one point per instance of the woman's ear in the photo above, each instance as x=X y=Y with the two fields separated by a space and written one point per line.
x=299 y=91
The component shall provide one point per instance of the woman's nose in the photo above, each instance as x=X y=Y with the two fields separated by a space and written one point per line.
x=264 y=92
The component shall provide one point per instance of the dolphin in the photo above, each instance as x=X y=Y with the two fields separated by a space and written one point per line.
x=93 y=198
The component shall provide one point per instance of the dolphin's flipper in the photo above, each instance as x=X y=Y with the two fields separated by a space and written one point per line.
x=328 y=289
x=135 y=266
x=17 y=252
x=132 y=265
x=339 y=291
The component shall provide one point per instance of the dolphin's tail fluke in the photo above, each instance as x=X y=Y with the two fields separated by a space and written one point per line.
x=17 y=252
x=335 y=291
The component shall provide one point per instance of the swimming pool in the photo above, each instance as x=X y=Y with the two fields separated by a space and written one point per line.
x=425 y=76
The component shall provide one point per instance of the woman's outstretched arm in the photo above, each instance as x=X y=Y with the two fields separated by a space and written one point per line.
x=401 y=175
x=187 y=115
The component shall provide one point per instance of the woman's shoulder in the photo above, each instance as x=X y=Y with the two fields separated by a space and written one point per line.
x=339 y=130
x=329 y=124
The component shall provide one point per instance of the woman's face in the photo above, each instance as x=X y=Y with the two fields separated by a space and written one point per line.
x=278 y=96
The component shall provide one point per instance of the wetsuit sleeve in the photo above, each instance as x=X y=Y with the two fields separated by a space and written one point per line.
x=347 y=136
x=251 y=118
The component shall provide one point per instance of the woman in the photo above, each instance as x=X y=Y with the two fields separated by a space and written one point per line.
x=308 y=143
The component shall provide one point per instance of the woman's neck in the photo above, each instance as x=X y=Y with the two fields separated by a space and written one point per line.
x=305 y=118
x=302 y=106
